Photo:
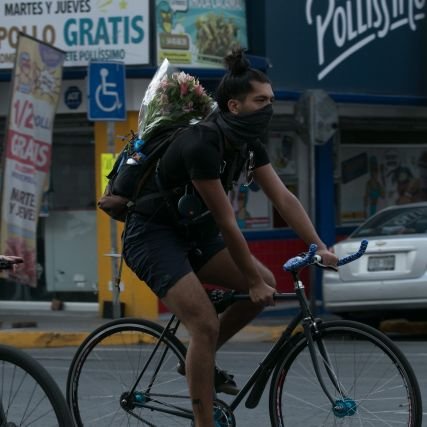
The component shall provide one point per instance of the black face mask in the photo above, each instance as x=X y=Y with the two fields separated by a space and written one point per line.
x=245 y=127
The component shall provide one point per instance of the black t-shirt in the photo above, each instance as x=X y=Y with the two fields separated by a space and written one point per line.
x=197 y=153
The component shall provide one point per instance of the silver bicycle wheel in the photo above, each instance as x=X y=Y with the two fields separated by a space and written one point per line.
x=28 y=394
x=375 y=385
x=107 y=366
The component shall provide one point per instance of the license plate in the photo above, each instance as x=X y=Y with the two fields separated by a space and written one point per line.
x=381 y=263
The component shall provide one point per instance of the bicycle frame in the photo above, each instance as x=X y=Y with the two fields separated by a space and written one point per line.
x=259 y=378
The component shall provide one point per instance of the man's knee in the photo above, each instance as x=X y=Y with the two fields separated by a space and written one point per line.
x=205 y=329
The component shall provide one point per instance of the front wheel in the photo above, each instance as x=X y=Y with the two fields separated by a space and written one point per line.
x=374 y=383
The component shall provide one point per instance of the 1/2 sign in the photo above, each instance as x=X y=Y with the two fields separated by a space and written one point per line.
x=23 y=114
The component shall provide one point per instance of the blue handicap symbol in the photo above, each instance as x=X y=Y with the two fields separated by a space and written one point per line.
x=107 y=93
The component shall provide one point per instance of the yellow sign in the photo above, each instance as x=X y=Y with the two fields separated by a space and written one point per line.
x=107 y=163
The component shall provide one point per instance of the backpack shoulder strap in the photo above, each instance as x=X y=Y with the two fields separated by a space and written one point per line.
x=214 y=126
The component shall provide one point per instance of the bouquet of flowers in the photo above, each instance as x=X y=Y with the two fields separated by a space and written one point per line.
x=172 y=98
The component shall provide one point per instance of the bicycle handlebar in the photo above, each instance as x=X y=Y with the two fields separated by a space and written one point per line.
x=5 y=264
x=310 y=257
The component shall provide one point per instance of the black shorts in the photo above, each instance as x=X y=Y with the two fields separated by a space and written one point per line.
x=160 y=255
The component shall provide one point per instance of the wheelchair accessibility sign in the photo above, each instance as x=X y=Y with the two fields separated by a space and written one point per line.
x=106 y=89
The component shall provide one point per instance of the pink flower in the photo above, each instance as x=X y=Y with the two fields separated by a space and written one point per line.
x=164 y=83
x=199 y=90
x=184 y=77
x=183 y=87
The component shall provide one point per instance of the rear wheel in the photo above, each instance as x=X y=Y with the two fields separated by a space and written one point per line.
x=376 y=385
x=107 y=366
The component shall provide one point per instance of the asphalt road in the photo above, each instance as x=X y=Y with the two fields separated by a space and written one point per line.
x=241 y=359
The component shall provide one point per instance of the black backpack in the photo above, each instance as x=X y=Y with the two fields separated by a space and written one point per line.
x=126 y=179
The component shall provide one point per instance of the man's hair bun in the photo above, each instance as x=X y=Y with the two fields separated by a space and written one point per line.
x=236 y=62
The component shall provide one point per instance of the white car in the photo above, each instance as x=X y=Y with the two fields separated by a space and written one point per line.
x=390 y=280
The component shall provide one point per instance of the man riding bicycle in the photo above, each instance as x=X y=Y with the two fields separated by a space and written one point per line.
x=175 y=260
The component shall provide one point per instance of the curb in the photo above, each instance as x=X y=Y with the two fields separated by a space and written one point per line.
x=251 y=333
x=34 y=339
x=404 y=327
x=51 y=339
x=42 y=339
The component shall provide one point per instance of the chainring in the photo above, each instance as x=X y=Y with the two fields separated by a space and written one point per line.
x=223 y=416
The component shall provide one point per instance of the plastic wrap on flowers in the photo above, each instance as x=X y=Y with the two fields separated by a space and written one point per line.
x=172 y=98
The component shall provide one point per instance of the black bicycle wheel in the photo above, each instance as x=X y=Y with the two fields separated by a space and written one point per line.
x=376 y=386
x=106 y=367
x=28 y=394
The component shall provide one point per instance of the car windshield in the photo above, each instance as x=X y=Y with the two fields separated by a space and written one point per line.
x=407 y=220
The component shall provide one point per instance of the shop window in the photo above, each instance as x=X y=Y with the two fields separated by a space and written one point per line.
x=252 y=208
x=72 y=179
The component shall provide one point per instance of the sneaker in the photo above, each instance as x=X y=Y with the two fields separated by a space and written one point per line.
x=224 y=382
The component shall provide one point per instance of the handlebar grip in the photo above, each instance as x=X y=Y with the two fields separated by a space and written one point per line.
x=298 y=262
x=352 y=257
x=5 y=265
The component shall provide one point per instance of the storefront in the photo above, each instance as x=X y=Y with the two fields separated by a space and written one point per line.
x=375 y=158
x=371 y=60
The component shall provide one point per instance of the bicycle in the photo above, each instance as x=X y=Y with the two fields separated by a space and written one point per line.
x=339 y=373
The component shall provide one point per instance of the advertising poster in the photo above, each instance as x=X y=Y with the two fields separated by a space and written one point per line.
x=199 y=33
x=374 y=177
x=36 y=87
x=85 y=29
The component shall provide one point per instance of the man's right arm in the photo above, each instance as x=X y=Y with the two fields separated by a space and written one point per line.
x=218 y=203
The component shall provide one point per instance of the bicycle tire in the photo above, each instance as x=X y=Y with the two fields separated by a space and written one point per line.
x=106 y=366
x=29 y=394
x=371 y=370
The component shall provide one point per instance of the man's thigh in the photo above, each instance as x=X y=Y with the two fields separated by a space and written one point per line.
x=188 y=300
x=221 y=270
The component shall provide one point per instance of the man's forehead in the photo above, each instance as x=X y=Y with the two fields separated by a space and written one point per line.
x=261 y=89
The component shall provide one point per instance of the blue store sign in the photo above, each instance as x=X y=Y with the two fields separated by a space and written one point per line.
x=106 y=91
x=353 y=46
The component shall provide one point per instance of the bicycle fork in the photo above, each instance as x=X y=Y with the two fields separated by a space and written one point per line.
x=344 y=406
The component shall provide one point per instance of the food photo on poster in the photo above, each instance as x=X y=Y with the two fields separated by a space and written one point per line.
x=198 y=35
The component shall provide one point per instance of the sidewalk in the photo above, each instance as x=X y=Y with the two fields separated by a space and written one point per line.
x=38 y=328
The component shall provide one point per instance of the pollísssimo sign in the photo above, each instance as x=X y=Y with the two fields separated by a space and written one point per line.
x=345 y=27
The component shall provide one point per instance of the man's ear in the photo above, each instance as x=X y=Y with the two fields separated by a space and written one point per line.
x=233 y=106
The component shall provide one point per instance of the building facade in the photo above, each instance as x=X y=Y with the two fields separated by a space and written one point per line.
x=353 y=72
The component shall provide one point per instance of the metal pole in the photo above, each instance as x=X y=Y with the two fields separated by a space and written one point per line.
x=113 y=237
x=312 y=191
